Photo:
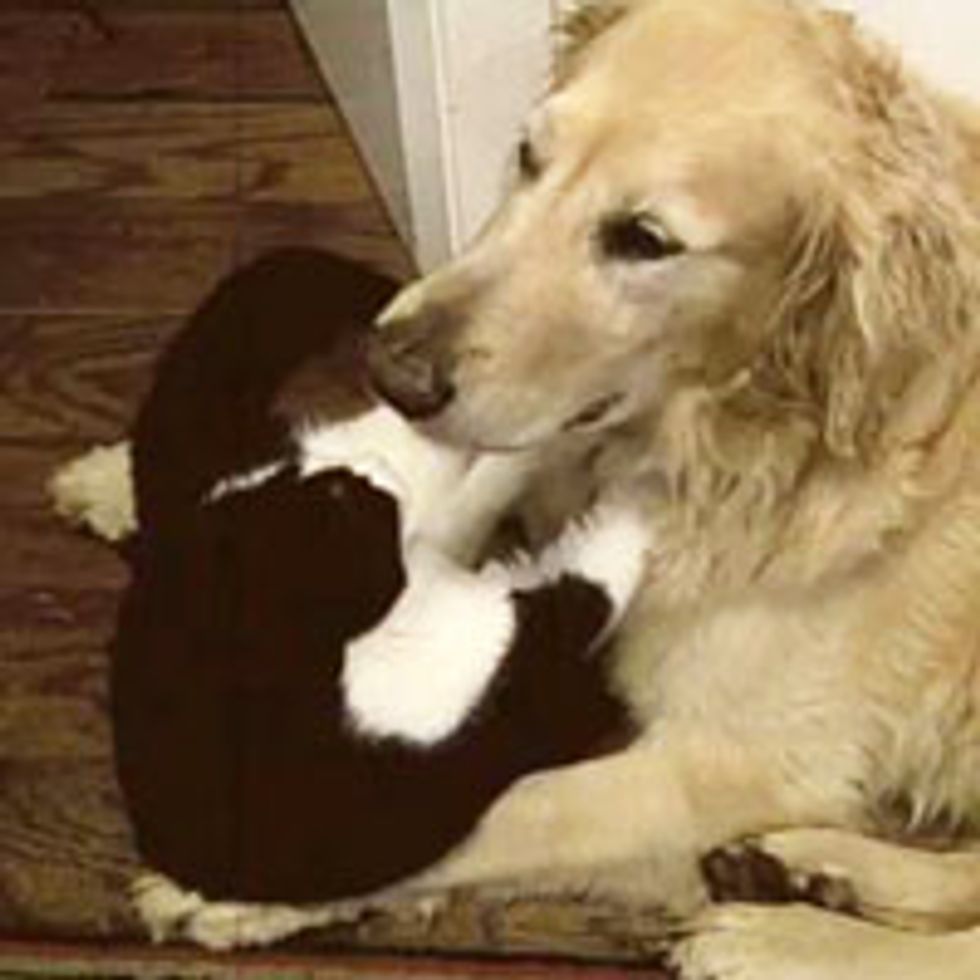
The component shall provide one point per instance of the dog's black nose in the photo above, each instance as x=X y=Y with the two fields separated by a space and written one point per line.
x=407 y=376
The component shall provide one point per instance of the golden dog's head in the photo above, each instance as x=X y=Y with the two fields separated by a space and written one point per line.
x=742 y=199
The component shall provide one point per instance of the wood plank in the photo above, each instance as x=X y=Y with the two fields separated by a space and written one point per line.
x=86 y=223
x=128 y=961
x=53 y=683
x=65 y=851
x=96 y=7
x=298 y=153
x=220 y=53
x=30 y=46
x=69 y=381
x=360 y=232
x=66 y=856
x=95 y=255
x=146 y=256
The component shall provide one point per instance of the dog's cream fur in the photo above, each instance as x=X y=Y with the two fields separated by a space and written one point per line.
x=794 y=399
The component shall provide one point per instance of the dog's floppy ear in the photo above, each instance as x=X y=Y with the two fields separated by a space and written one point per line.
x=908 y=302
x=580 y=26
x=882 y=282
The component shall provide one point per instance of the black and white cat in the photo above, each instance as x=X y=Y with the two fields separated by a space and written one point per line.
x=313 y=696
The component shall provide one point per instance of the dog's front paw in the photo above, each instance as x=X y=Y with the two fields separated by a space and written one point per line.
x=743 y=942
x=799 y=942
x=757 y=942
x=95 y=492
x=751 y=872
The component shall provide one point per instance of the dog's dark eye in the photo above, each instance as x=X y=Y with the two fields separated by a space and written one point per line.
x=636 y=238
x=528 y=162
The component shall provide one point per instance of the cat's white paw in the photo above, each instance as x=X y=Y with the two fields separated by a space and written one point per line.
x=171 y=914
x=95 y=491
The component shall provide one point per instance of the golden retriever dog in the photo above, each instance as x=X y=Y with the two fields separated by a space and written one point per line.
x=738 y=281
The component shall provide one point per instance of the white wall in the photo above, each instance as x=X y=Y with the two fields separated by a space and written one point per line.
x=940 y=37
x=496 y=62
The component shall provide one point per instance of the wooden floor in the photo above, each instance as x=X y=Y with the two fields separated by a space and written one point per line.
x=146 y=148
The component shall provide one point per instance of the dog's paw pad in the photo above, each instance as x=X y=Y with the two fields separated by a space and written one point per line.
x=747 y=873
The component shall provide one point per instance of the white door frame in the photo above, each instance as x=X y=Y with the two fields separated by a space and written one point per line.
x=434 y=91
